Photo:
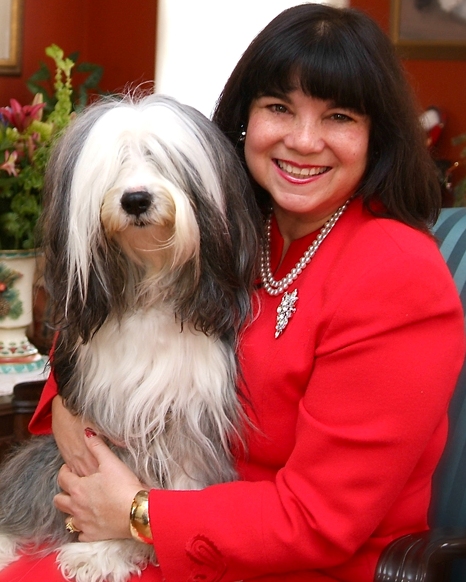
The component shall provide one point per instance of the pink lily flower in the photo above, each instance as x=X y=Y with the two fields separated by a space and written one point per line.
x=20 y=116
x=10 y=163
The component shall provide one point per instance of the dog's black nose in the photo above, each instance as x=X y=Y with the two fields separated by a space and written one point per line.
x=136 y=203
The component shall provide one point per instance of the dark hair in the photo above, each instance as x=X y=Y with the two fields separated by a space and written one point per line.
x=342 y=55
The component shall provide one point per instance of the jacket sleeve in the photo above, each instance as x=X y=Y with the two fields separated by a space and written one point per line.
x=373 y=411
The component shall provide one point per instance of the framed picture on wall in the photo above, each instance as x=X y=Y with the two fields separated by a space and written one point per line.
x=11 y=24
x=429 y=29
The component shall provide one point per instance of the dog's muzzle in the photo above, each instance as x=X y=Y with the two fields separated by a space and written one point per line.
x=136 y=203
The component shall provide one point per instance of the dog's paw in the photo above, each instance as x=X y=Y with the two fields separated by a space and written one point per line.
x=8 y=553
x=109 y=561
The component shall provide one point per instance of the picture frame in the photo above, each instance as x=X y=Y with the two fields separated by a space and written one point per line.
x=11 y=28
x=429 y=29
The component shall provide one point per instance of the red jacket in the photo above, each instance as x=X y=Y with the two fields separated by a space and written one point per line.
x=349 y=411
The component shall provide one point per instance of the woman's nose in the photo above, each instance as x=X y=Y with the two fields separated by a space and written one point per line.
x=305 y=137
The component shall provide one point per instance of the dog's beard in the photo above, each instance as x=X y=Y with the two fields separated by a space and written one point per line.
x=183 y=414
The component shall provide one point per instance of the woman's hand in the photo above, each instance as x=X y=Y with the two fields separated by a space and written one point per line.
x=99 y=503
x=68 y=431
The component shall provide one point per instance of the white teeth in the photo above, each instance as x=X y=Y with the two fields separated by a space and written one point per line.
x=301 y=172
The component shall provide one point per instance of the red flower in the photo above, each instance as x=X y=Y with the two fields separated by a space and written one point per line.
x=21 y=117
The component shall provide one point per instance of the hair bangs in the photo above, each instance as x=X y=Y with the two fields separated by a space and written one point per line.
x=320 y=72
x=330 y=78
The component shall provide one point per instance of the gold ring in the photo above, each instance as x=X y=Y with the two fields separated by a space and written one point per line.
x=70 y=527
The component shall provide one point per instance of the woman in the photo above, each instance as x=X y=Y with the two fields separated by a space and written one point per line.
x=347 y=385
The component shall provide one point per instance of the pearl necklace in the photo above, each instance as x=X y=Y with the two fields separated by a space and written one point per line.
x=287 y=305
x=276 y=287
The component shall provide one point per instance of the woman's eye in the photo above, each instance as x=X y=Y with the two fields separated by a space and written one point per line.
x=341 y=117
x=278 y=108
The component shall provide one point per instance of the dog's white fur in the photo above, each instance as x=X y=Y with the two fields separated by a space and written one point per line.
x=151 y=247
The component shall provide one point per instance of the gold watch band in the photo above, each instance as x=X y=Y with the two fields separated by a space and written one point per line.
x=139 y=522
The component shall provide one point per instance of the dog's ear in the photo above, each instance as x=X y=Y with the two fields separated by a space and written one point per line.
x=72 y=310
x=84 y=308
x=72 y=275
x=230 y=242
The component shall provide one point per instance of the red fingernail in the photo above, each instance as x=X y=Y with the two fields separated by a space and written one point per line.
x=89 y=432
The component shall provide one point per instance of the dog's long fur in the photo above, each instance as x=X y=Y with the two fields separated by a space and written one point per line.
x=150 y=238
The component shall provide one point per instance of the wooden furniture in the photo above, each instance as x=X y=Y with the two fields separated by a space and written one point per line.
x=6 y=424
x=16 y=411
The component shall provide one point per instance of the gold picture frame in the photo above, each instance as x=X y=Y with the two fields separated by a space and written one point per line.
x=422 y=29
x=11 y=29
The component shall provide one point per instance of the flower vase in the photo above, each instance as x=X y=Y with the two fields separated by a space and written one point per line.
x=17 y=271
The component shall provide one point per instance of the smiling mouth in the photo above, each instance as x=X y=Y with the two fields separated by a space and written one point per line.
x=297 y=172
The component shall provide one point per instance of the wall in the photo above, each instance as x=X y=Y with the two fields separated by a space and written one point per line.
x=435 y=82
x=196 y=69
x=107 y=32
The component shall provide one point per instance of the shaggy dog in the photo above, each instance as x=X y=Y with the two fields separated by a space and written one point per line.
x=151 y=251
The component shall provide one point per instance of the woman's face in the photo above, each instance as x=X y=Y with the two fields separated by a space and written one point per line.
x=308 y=154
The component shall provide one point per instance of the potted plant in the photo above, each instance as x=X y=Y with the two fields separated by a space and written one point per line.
x=27 y=134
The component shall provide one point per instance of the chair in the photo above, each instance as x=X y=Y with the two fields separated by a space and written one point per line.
x=439 y=555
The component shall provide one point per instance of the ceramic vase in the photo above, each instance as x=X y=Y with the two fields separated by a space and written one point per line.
x=17 y=271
